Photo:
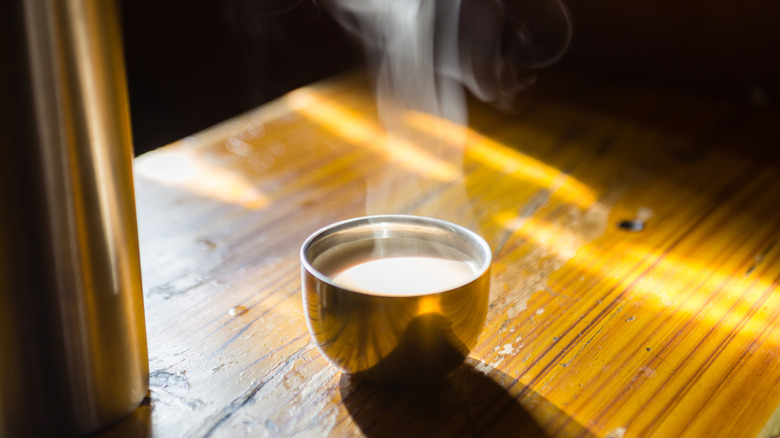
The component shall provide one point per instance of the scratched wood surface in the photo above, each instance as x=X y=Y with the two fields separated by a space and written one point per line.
x=634 y=288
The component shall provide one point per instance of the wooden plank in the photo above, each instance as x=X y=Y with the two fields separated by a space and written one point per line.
x=593 y=329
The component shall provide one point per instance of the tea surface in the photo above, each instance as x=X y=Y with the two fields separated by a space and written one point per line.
x=408 y=275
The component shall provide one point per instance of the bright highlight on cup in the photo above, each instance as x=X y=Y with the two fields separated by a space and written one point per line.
x=395 y=298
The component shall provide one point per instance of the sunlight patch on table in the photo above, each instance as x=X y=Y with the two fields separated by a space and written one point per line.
x=670 y=283
x=180 y=166
x=364 y=132
x=501 y=157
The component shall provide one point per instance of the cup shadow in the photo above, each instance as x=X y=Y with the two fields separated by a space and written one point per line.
x=466 y=402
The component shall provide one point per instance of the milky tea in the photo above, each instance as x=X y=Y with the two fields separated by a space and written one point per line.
x=393 y=266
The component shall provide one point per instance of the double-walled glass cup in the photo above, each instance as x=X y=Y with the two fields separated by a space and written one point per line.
x=414 y=305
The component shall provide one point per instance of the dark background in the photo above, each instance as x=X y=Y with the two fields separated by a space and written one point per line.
x=193 y=64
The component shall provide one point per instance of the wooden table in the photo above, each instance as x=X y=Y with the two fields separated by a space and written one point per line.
x=634 y=286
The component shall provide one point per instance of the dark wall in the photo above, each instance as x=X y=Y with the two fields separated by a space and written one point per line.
x=192 y=64
x=716 y=46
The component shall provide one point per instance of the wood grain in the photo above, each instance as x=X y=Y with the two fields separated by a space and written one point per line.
x=593 y=329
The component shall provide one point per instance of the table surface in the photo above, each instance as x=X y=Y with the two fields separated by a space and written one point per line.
x=634 y=289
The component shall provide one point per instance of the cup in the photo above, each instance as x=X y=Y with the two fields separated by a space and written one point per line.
x=395 y=298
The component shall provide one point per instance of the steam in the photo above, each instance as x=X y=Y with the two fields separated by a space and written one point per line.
x=423 y=53
x=409 y=44
x=506 y=41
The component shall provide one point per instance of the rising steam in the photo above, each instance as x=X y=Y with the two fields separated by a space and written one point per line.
x=424 y=52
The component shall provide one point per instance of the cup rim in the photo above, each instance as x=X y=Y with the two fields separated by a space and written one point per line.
x=478 y=241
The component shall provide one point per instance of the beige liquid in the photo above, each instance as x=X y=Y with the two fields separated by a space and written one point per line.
x=407 y=275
